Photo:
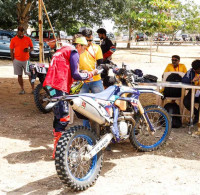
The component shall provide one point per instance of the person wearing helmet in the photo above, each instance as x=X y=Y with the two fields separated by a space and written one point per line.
x=64 y=67
x=106 y=45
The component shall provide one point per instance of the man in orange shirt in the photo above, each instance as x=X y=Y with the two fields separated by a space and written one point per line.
x=20 y=46
x=175 y=66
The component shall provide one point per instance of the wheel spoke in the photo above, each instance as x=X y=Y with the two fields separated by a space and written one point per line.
x=78 y=167
x=143 y=136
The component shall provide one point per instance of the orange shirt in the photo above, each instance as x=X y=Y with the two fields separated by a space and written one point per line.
x=180 y=68
x=19 y=45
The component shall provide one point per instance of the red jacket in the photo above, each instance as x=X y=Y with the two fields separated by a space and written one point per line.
x=59 y=73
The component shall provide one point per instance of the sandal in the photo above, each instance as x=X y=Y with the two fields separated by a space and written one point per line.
x=21 y=92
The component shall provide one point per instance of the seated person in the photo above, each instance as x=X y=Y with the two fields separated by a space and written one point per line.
x=175 y=66
x=192 y=77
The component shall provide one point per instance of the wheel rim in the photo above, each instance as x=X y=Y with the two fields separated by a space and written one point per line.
x=144 y=138
x=79 y=168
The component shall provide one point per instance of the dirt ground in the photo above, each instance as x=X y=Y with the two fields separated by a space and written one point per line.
x=26 y=143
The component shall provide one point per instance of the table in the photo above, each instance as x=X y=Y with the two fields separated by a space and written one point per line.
x=178 y=85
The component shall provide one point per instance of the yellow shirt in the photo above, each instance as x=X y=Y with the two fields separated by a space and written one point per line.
x=180 y=68
x=89 y=58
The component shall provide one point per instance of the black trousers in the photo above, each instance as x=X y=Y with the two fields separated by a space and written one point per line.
x=187 y=104
x=61 y=111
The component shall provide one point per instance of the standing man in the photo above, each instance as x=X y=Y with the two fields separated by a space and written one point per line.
x=64 y=68
x=20 y=46
x=88 y=61
x=106 y=45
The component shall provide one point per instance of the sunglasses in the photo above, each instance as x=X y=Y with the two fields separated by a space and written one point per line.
x=90 y=40
x=175 y=60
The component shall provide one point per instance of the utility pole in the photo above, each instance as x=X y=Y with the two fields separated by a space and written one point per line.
x=40 y=21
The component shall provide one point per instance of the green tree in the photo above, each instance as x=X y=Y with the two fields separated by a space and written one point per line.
x=190 y=17
x=126 y=16
x=65 y=15
x=8 y=14
x=158 y=16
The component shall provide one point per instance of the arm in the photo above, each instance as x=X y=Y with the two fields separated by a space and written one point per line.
x=188 y=77
x=30 y=45
x=74 y=63
x=12 y=54
x=110 y=52
x=12 y=49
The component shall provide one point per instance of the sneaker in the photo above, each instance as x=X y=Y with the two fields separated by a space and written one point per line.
x=21 y=92
x=196 y=134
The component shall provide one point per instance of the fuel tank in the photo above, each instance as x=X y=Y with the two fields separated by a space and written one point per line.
x=90 y=109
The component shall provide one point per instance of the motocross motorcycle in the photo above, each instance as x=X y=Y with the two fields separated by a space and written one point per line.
x=115 y=115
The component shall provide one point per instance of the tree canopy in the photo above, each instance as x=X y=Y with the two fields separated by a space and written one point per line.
x=145 y=15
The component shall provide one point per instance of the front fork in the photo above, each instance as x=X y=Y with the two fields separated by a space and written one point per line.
x=146 y=118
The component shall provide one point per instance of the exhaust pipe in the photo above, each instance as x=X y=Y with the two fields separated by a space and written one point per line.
x=89 y=108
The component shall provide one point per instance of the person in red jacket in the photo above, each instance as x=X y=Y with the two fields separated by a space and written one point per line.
x=64 y=68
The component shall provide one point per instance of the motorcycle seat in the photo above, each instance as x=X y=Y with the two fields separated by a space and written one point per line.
x=104 y=95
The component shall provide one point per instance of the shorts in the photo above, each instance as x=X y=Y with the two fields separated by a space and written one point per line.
x=19 y=66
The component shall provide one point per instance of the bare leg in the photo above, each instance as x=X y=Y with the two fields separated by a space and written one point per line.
x=32 y=84
x=20 y=81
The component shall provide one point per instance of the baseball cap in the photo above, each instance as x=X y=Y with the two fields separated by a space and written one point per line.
x=81 y=40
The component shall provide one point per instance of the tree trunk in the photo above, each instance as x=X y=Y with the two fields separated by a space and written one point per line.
x=129 y=38
x=23 y=10
x=151 y=48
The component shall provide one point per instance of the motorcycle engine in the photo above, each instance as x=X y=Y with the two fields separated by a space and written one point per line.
x=123 y=128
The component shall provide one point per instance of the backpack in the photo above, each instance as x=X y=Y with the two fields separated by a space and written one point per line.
x=170 y=91
x=148 y=78
x=137 y=72
x=173 y=108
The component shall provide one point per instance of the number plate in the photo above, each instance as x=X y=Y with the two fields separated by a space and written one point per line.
x=28 y=66
x=41 y=68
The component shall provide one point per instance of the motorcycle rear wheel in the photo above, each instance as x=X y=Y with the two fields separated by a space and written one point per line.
x=40 y=93
x=77 y=173
x=142 y=139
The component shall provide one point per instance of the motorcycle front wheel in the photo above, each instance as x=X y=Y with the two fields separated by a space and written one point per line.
x=142 y=139
x=72 y=169
x=40 y=93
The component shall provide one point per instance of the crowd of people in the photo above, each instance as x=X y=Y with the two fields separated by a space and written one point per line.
x=191 y=76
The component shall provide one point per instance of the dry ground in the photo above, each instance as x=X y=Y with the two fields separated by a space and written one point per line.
x=26 y=143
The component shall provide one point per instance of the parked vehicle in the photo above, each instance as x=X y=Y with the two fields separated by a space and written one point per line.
x=111 y=36
x=47 y=37
x=115 y=115
x=141 y=37
x=96 y=39
x=125 y=37
x=185 y=37
x=5 y=38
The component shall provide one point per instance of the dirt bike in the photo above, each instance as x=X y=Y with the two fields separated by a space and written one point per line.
x=115 y=115
x=41 y=94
